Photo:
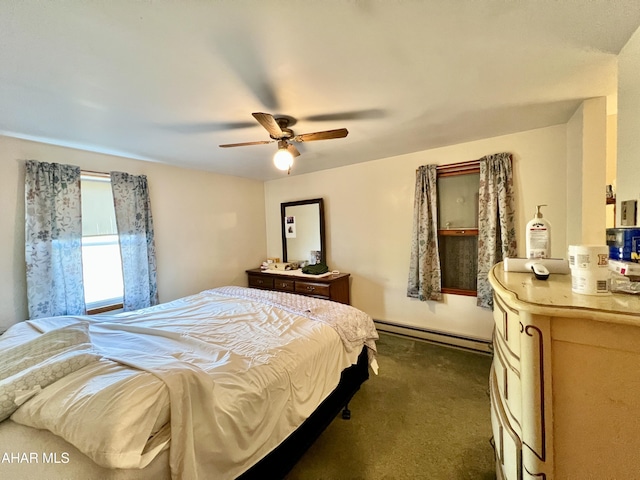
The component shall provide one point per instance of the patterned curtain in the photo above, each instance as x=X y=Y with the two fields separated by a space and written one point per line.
x=425 y=277
x=53 y=240
x=496 y=229
x=136 y=237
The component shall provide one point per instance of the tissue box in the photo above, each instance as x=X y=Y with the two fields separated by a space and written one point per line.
x=625 y=268
x=625 y=277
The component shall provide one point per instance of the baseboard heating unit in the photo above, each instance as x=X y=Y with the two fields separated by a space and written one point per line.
x=441 y=338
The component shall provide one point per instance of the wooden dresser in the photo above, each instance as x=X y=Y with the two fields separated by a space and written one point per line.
x=565 y=381
x=331 y=287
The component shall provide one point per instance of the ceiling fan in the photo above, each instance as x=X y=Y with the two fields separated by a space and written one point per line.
x=279 y=131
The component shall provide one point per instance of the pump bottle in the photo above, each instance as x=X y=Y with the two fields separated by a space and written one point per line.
x=538 y=237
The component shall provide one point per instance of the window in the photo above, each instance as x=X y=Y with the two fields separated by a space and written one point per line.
x=458 y=188
x=101 y=263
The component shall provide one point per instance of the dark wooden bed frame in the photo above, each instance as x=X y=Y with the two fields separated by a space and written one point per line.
x=280 y=461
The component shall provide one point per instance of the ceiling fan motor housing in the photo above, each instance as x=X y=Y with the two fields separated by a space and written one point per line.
x=283 y=123
x=279 y=131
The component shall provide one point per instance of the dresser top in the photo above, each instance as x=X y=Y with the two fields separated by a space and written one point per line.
x=554 y=297
x=298 y=276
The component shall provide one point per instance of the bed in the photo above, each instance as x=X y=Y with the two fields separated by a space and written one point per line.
x=232 y=382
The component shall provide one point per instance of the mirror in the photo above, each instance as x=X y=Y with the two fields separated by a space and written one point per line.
x=303 y=230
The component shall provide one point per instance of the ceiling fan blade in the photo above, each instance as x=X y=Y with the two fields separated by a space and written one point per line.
x=247 y=61
x=293 y=150
x=205 y=127
x=367 y=114
x=269 y=123
x=244 y=144
x=326 y=135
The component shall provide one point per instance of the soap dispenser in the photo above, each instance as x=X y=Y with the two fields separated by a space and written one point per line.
x=538 y=237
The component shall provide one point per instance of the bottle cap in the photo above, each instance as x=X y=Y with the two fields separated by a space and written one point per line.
x=538 y=212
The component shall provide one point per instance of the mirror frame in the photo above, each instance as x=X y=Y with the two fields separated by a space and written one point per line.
x=283 y=208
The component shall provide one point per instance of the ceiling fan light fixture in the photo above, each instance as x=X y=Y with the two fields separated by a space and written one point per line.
x=283 y=158
x=280 y=132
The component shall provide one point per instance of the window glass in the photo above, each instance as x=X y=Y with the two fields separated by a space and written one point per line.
x=98 y=214
x=101 y=263
x=459 y=262
x=458 y=201
x=458 y=231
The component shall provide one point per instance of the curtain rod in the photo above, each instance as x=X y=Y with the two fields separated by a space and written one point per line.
x=469 y=164
x=463 y=165
x=97 y=174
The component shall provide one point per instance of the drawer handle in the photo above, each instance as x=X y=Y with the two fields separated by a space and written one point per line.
x=283 y=285
x=260 y=282
x=310 y=288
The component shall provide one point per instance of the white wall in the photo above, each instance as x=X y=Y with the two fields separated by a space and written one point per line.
x=575 y=132
x=628 y=170
x=612 y=149
x=594 y=162
x=209 y=228
x=611 y=169
x=586 y=173
x=369 y=209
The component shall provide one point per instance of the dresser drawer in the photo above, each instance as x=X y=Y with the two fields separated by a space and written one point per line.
x=284 y=285
x=507 y=443
x=507 y=373
x=258 y=281
x=315 y=289
x=507 y=326
x=334 y=287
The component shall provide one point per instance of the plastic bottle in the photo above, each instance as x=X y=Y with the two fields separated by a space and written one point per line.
x=538 y=236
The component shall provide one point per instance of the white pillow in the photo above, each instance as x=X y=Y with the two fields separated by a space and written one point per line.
x=20 y=357
x=26 y=368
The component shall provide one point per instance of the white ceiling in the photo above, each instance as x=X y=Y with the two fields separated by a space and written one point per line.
x=169 y=81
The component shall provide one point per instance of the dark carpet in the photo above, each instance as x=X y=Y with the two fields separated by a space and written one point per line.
x=425 y=416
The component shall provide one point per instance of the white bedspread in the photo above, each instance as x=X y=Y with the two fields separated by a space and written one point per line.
x=224 y=376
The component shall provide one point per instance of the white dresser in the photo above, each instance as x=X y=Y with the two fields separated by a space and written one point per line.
x=565 y=381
